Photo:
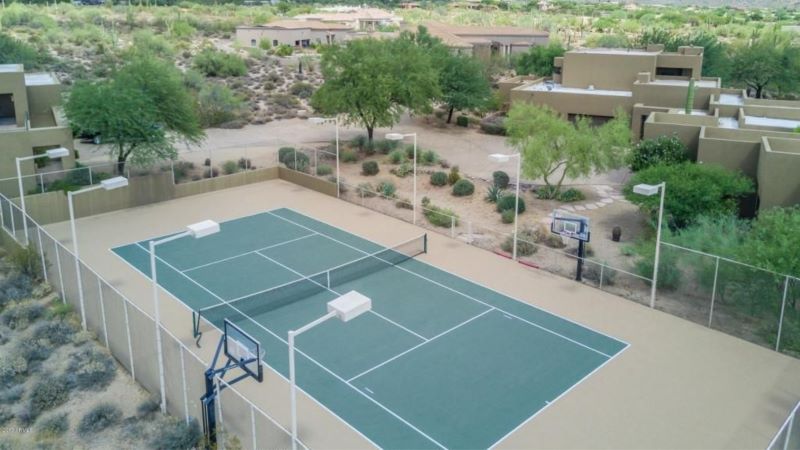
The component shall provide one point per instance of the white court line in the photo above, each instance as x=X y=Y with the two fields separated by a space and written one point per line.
x=538 y=308
x=274 y=370
x=420 y=345
x=458 y=292
x=247 y=253
x=321 y=366
x=337 y=293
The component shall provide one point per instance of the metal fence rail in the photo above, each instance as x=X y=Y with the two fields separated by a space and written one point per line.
x=127 y=332
x=788 y=437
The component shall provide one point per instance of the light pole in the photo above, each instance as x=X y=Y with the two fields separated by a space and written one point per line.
x=503 y=158
x=335 y=121
x=649 y=190
x=53 y=153
x=400 y=137
x=345 y=308
x=197 y=230
x=109 y=184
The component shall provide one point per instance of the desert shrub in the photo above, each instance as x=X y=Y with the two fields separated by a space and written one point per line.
x=284 y=50
x=453 y=176
x=215 y=63
x=396 y=156
x=552 y=240
x=285 y=100
x=463 y=187
x=428 y=158
x=52 y=426
x=27 y=261
x=494 y=125
x=369 y=168
x=404 y=203
x=11 y=394
x=12 y=367
x=669 y=276
x=387 y=189
x=661 y=150
x=264 y=44
x=302 y=89
x=507 y=216
x=149 y=406
x=298 y=161
x=439 y=178
x=181 y=169
x=410 y=151
x=508 y=201
x=286 y=154
x=348 y=156
x=440 y=217
x=230 y=167
x=217 y=104
x=500 y=179
x=14 y=51
x=48 y=393
x=99 y=418
x=5 y=416
x=493 y=194
x=571 y=195
x=403 y=170
x=90 y=368
x=324 y=169
x=19 y=316
x=359 y=142
x=35 y=350
x=366 y=190
x=526 y=239
x=385 y=146
x=547 y=192
x=462 y=121
x=172 y=433
x=16 y=287
x=591 y=272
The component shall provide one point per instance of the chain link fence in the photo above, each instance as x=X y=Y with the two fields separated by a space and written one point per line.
x=128 y=333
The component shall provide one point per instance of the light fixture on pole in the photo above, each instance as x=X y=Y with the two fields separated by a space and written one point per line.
x=335 y=121
x=53 y=153
x=109 y=184
x=197 y=231
x=650 y=190
x=345 y=308
x=504 y=158
x=400 y=137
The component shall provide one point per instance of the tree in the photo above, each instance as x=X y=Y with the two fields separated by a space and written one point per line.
x=693 y=190
x=772 y=241
x=140 y=112
x=716 y=61
x=539 y=59
x=463 y=84
x=551 y=146
x=768 y=60
x=370 y=81
x=661 y=150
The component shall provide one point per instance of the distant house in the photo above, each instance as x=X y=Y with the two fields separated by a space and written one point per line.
x=31 y=122
x=356 y=19
x=295 y=33
x=487 y=41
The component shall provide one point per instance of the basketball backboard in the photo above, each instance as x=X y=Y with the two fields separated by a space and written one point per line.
x=570 y=225
x=242 y=348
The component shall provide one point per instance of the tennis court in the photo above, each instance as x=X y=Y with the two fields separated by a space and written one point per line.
x=439 y=361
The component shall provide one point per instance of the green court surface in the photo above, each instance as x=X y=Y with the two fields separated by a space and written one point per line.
x=439 y=362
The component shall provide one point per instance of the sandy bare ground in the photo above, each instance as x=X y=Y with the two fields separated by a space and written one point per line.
x=679 y=385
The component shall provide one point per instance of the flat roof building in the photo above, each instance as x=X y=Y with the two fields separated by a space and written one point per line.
x=294 y=33
x=487 y=41
x=724 y=127
x=31 y=121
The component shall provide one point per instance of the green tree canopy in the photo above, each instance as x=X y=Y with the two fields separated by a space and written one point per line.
x=770 y=60
x=370 y=81
x=539 y=59
x=13 y=51
x=553 y=147
x=716 y=61
x=661 y=150
x=463 y=84
x=772 y=241
x=140 y=112
x=692 y=190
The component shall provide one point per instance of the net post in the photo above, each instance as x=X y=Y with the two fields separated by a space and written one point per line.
x=425 y=243
x=41 y=253
x=783 y=309
x=602 y=267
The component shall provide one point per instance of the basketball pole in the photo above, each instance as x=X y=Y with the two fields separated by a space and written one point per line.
x=581 y=255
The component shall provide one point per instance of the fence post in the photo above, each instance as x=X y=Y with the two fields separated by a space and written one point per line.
x=102 y=310
x=253 y=424
x=2 y=209
x=13 y=226
x=602 y=269
x=89 y=168
x=713 y=293
x=41 y=253
x=220 y=422
x=452 y=226
x=60 y=273
x=183 y=380
x=128 y=333
x=783 y=309
x=295 y=160
x=172 y=169
x=789 y=430
x=41 y=183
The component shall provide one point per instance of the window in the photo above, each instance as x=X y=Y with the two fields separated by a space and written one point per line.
x=252 y=42
x=7 y=114
x=557 y=70
x=274 y=42
x=673 y=72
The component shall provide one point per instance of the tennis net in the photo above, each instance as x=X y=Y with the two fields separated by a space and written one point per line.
x=276 y=297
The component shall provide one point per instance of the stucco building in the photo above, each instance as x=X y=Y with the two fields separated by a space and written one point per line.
x=294 y=33
x=31 y=122
x=487 y=41
x=725 y=126
x=356 y=19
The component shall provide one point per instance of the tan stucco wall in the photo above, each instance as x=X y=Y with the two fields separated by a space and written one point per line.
x=605 y=71
x=14 y=83
x=778 y=169
x=244 y=36
x=20 y=143
x=671 y=96
x=575 y=103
